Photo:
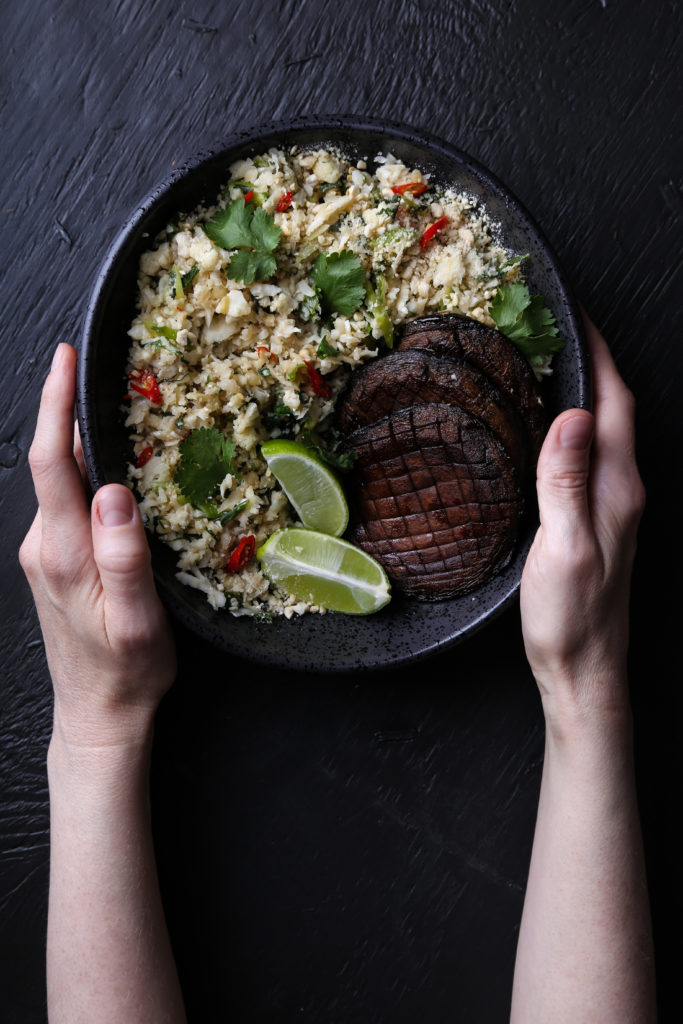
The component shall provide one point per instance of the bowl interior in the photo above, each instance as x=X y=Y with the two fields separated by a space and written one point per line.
x=406 y=629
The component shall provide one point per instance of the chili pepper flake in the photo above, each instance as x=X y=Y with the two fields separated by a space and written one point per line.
x=242 y=555
x=146 y=384
x=414 y=188
x=317 y=381
x=438 y=225
x=284 y=202
x=144 y=456
x=264 y=353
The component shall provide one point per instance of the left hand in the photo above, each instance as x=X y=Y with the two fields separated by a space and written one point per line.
x=109 y=647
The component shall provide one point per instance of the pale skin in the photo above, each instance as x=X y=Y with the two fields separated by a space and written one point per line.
x=585 y=949
x=585 y=945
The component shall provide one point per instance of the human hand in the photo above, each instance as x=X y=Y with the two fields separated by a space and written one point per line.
x=575 y=585
x=109 y=647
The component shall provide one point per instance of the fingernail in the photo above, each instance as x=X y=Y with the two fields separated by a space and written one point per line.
x=58 y=356
x=576 y=433
x=115 y=507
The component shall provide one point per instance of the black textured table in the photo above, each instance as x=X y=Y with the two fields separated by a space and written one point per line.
x=351 y=848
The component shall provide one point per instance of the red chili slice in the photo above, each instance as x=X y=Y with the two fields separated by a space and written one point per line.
x=146 y=384
x=242 y=554
x=317 y=381
x=284 y=202
x=248 y=196
x=415 y=188
x=264 y=353
x=438 y=225
x=144 y=456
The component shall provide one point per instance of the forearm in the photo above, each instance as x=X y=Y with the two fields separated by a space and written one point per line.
x=108 y=956
x=585 y=947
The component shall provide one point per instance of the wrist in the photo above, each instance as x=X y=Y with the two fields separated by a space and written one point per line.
x=87 y=742
x=95 y=723
x=573 y=719
x=97 y=780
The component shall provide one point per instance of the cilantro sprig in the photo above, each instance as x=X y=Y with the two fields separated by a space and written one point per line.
x=527 y=322
x=339 y=281
x=206 y=458
x=254 y=235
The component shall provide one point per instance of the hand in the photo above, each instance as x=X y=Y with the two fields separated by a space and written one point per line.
x=109 y=647
x=575 y=585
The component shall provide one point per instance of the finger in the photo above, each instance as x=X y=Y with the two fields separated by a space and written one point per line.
x=56 y=477
x=562 y=477
x=614 y=405
x=123 y=559
x=607 y=376
x=79 y=457
x=616 y=483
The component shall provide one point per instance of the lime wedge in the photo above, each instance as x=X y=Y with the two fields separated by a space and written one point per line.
x=310 y=485
x=324 y=570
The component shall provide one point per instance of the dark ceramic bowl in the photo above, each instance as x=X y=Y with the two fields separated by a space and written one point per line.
x=406 y=629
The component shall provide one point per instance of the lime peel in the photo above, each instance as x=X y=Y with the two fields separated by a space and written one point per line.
x=319 y=569
x=310 y=485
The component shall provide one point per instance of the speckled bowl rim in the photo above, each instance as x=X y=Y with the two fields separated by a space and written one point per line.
x=406 y=630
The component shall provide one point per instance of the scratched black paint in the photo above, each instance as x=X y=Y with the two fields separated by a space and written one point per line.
x=311 y=870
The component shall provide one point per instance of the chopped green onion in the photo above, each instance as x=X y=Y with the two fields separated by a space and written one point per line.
x=189 y=277
x=175 y=284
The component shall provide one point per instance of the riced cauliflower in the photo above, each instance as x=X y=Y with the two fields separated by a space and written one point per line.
x=253 y=313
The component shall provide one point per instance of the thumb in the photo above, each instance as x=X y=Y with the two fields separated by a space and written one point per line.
x=562 y=474
x=121 y=551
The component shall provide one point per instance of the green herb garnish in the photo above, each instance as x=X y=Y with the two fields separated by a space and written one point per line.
x=329 y=449
x=339 y=279
x=526 y=321
x=309 y=308
x=189 y=277
x=279 y=416
x=393 y=238
x=376 y=303
x=325 y=350
x=211 y=511
x=514 y=261
x=161 y=331
x=206 y=458
x=175 y=284
x=253 y=233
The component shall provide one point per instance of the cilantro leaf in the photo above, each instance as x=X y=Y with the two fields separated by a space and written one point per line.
x=309 y=308
x=255 y=235
x=509 y=304
x=526 y=321
x=249 y=266
x=205 y=460
x=325 y=350
x=339 y=279
x=264 y=230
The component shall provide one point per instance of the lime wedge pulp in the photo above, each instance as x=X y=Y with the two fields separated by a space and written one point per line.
x=310 y=485
x=325 y=571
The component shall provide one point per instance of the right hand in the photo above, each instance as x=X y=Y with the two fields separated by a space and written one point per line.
x=108 y=643
x=575 y=585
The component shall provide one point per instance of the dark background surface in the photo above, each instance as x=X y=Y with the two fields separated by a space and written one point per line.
x=349 y=848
